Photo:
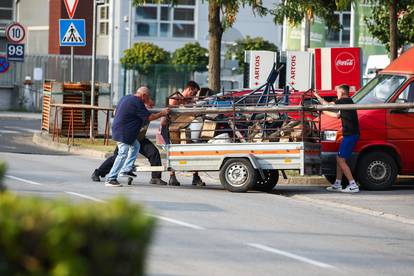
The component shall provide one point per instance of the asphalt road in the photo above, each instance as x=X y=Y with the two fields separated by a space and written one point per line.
x=209 y=231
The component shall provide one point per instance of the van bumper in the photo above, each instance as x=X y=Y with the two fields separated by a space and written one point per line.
x=329 y=162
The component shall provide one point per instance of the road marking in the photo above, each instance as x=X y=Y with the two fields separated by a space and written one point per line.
x=179 y=222
x=24 y=129
x=23 y=180
x=5 y=131
x=8 y=147
x=86 y=196
x=290 y=255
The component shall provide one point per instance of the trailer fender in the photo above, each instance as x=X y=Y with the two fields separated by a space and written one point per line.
x=250 y=157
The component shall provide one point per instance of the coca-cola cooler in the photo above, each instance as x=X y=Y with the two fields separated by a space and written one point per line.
x=336 y=66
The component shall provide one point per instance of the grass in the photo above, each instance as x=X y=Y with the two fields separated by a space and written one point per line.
x=97 y=144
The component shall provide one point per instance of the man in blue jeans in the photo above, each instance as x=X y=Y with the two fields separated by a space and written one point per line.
x=350 y=132
x=130 y=116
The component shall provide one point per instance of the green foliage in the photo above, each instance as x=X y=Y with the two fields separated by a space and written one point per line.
x=143 y=55
x=55 y=237
x=2 y=173
x=249 y=43
x=296 y=10
x=379 y=23
x=192 y=56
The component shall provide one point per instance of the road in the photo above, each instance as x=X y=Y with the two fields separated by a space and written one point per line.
x=209 y=231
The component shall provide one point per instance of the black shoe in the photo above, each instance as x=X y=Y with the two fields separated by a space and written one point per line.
x=197 y=181
x=157 y=181
x=127 y=174
x=173 y=181
x=113 y=183
x=95 y=176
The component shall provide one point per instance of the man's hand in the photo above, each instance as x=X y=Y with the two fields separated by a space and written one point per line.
x=165 y=111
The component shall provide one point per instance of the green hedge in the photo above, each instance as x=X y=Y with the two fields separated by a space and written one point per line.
x=56 y=237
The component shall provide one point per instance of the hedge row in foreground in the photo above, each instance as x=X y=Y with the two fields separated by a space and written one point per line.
x=56 y=237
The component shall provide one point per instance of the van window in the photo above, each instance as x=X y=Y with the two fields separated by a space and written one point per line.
x=379 y=89
x=407 y=94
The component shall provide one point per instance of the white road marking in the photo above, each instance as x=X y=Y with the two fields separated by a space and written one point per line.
x=8 y=147
x=290 y=255
x=86 y=196
x=23 y=180
x=5 y=131
x=24 y=129
x=179 y=222
x=174 y=221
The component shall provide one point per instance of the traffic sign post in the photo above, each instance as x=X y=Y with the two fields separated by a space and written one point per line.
x=4 y=64
x=15 y=32
x=15 y=52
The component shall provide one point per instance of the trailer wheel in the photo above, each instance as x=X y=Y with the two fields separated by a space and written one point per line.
x=238 y=175
x=268 y=183
x=377 y=171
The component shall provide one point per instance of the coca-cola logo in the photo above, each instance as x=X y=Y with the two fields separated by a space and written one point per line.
x=345 y=62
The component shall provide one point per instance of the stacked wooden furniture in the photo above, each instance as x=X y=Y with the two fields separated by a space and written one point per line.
x=74 y=94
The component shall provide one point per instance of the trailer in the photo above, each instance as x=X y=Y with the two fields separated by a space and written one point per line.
x=246 y=158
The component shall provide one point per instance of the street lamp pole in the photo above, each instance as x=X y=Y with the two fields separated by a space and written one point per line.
x=95 y=4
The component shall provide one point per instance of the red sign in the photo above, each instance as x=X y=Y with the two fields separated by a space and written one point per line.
x=336 y=66
x=71 y=7
x=15 y=32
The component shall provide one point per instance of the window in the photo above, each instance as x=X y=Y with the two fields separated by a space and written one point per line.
x=343 y=35
x=406 y=95
x=163 y=20
x=379 y=89
x=6 y=10
x=103 y=18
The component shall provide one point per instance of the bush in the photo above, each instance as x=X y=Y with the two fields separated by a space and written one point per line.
x=143 y=55
x=55 y=237
x=2 y=173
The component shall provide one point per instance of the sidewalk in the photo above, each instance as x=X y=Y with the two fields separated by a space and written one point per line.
x=20 y=115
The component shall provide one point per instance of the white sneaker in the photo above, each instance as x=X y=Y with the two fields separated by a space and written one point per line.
x=351 y=189
x=334 y=188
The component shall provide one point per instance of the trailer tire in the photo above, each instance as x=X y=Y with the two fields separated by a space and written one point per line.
x=267 y=184
x=238 y=175
x=377 y=171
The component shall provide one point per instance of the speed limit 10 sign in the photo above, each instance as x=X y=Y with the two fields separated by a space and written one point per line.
x=15 y=32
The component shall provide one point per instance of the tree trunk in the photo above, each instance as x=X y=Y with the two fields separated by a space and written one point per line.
x=215 y=31
x=392 y=8
x=307 y=30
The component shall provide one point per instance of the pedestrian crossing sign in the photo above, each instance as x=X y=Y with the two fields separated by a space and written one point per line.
x=72 y=32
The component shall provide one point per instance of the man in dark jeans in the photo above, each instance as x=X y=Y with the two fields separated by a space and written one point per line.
x=147 y=149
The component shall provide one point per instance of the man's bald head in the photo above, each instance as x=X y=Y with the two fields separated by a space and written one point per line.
x=144 y=94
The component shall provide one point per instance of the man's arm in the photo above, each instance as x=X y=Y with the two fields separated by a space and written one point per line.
x=155 y=116
x=324 y=102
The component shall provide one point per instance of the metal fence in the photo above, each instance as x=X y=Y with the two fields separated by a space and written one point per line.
x=51 y=67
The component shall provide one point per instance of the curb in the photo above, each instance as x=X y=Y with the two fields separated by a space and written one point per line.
x=355 y=209
x=44 y=140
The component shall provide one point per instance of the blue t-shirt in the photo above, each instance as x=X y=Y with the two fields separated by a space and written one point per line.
x=130 y=115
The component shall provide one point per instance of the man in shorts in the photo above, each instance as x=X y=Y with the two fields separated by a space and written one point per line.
x=350 y=132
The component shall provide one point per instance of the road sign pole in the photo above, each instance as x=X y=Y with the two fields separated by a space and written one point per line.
x=71 y=64
x=93 y=68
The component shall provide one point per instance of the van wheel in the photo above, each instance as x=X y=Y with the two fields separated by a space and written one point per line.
x=377 y=171
x=238 y=175
x=268 y=183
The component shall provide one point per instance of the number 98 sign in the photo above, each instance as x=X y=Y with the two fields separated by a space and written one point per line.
x=15 y=52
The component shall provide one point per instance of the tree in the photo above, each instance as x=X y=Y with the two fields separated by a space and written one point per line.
x=143 y=55
x=295 y=11
x=256 y=43
x=192 y=55
x=379 y=24
x=221 y=15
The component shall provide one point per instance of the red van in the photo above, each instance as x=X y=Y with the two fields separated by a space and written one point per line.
x=386 y=145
